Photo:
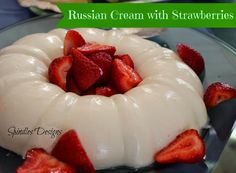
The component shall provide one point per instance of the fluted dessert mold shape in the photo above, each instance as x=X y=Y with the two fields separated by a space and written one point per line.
x=125 y=129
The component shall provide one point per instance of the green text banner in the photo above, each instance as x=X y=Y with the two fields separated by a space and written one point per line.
x=150 y=15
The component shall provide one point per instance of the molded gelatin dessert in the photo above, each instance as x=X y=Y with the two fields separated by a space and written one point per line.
x=124 y=129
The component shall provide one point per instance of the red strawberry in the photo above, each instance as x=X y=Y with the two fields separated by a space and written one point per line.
x=188 y=147
x=218 y=92
x=126 y=59
x=91 y=48
x=71 y=86
x=70 y=150
x=105 y=91
x=38 y=161
x=191 y=57
x=58 y=70
x=123 y=76
x=85 y=71
x=73 y=39
x=90 y=91
x=104 y=61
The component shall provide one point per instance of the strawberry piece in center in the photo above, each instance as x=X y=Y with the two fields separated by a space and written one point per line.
x=58 y=69
x=123 y=76
x=85 y=71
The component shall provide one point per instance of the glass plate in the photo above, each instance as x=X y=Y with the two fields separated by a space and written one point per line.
x=220 y=61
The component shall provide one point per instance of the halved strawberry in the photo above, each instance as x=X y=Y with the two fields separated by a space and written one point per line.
x=218 y=92
x=73 y=39
x=123 y=76
x=84 y=71
x=71 y=86
x=58 y=69
x=91 y=48
x=90 y=91
x=188 y=147
x=191 y=57
x=104 y=61
x=38 y=161
x=105 y=91
x=126 y=59
x=70 y=150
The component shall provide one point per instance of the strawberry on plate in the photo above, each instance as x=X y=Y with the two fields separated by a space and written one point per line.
x=90 y=48
x=73 y=39
x=123 y=76
x=126 y=59
x=188 y=147
x=105 y=91
x=70 y=150
x=104 y=61
x=84 y=71
x=58 y=69
x=218 y=92
x=191 y=57
x=39 y=161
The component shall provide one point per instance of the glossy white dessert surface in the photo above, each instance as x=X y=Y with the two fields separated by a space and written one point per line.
x=125 y=129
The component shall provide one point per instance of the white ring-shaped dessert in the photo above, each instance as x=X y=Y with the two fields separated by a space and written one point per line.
x=125 y=129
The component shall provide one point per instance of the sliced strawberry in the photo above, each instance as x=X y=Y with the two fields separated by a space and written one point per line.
x=218 y=92
x=85 y=71
x=91 y=48
x=70 y=150
x=73 y=39
x=105 y=91
x=58 y=70
x=104 y=61
x=90 y=91
x=71 y=86
x=188 y=147
x=126 y=59
x=191 y=57
x=123 y=76
x=38 y=161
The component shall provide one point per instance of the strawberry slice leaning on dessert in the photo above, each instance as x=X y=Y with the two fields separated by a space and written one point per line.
x=90 y=91
x=38 y=161
x=58 y=69
x=188 y=147
x=218 y=92
x=123 y=76
x=70 y=150
x=90 y=48
x=126 y=59
x=191 y=57
x=84 y=71
x=71 y=86
x=73 y=39
x=105 y=91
